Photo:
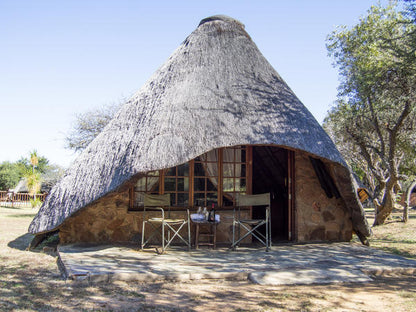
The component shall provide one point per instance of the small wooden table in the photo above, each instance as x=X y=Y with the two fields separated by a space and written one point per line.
x=211 y=233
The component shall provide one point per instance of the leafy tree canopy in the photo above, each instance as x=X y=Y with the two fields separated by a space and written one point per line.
x=9 y=175
x=35 y=169
x=373 y=121
x=25 y=164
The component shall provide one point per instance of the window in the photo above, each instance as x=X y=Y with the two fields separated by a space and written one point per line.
x=234 y=174
x=176 y=183
x=214 y=177
x=206 y=179
x=149 y=184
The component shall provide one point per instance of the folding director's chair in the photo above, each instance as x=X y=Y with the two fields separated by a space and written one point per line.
x=252 y=226
x=164 y=224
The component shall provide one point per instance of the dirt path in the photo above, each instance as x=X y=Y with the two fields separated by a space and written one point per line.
x=30 y=281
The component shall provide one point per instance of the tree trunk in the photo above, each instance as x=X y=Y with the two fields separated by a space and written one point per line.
x=385 y=209
x=405 y=212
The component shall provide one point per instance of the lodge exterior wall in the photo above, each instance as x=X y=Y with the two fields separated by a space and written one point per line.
x=318 y=218
x=108 y=220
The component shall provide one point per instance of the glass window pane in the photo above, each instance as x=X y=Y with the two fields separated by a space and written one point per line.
x=243 y=185
x=199 y=184
x=183 y=170
x=243 y=155
x=211 y=156
x=237 y=185
x=238 y=155
x=240 y=185
x=237 y=170
x=171 y=172
x=212 y=184
x=203 y=157
x=141 y=184
x=152 y=184
x=228 y=185
x=139 y=201
x=228 y=199
x=170 y=184
x=228 y=155
x=243 y=171
x=155 y=188
x=228 y=170
x=173 y=199
x=212 y=198
x=199 y=199
x=199 y=170
x=153 y=173
x=211 y=169
x=183 y=199
x=183 y=184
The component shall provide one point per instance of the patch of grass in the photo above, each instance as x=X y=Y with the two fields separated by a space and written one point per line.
x=305 y=305
x=271 y=304
x=283 y=295
x=28 y=215
x=134 y=294
x=407 y=294
x=397 y=251
x=409 y=299
x=396 y=237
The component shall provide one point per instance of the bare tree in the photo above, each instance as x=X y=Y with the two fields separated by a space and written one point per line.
x=88 y=125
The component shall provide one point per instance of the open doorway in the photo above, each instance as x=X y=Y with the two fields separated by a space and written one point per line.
x=270 y=175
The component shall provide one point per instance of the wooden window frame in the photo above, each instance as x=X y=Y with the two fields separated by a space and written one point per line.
x=206 y=179
x=164 y=174
x=234 y=162
x=191 y=193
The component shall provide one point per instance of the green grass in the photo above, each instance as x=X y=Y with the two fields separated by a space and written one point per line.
x=396 y=237
x=28 y=215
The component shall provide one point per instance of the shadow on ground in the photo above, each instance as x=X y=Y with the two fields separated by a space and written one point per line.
x=38 y=289
x=22 y=242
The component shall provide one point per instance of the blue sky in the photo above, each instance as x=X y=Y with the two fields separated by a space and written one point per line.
x=62 y=58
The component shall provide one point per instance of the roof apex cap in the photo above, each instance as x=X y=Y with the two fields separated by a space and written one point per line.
x=220 y=17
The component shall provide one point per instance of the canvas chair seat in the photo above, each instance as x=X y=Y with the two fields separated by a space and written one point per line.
x=165 y=227
x=252 y=226
x=172 y=221
x=251 y=221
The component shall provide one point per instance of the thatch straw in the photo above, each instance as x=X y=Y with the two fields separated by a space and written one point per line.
x=215 y=90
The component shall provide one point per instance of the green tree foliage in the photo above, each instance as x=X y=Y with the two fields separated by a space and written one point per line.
x=34 y=182
x=9 y=175
x=36 y=169
x=26 y=164
x=88 y=125
x=33 y=175
x=373 y=121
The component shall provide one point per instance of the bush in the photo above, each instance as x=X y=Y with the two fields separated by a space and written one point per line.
x=35 y=202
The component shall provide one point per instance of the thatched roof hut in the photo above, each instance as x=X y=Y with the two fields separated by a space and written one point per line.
x=216 y=90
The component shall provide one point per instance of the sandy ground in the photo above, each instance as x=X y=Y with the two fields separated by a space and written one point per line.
x=31 y=281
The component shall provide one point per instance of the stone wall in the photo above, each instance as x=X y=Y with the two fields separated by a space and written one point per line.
x=103 y=221
x=319 y=218
x=108 y=220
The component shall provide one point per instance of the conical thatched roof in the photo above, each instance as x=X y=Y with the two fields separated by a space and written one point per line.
x=215 y=90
